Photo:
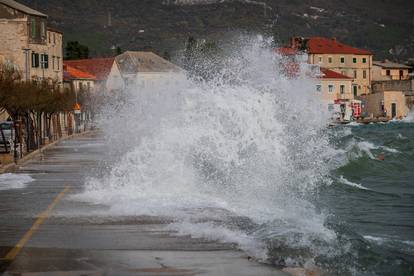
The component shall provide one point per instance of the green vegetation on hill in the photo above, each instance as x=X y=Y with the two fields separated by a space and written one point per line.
x=383 y=26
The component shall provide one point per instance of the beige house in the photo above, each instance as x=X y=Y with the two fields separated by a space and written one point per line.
x=334 y=86
x=99 y=68
x=28 y=43
x=142 y=69
x=77 y=80
x=389 y=104
x=387 y=70
x=333 y=55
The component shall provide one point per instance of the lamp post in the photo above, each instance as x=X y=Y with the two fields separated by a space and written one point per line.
x=77 y=112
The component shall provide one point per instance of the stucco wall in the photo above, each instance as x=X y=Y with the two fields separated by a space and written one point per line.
x=373 y=103
x=336 y=93
x=114 y=81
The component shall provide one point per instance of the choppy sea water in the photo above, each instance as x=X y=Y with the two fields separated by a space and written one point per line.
x=248 y=158
x=371 y=202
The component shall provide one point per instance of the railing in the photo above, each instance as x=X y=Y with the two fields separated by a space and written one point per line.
x=344 y=96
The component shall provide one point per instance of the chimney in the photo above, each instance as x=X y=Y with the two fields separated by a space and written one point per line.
x=334 y=39
x=292 y=42
x=296 y=42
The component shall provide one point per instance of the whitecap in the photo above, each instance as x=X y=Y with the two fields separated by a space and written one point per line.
x=388 y=239
x=366 y=147
x=400 y=136
x=409 y=118
x=378 y=240
x=390 y=149
x=345 y=181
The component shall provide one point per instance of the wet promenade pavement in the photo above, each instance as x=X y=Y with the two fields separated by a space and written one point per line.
x=42 y=232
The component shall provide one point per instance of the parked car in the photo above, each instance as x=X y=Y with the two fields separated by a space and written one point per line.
x=7 y=129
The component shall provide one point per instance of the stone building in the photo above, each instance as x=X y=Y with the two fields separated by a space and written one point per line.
x=387 y=70
x=388 y=104
x=29 y=44
x=143 y=69
x=333 y=55
x=404 y=86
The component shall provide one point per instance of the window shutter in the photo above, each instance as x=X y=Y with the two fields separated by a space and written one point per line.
x=33 y=60
x=46 y=61
x=36 y=60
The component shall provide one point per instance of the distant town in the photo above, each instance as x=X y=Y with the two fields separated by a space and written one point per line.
x=355 y=86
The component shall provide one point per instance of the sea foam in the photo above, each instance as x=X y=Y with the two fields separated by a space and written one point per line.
x=10 y=181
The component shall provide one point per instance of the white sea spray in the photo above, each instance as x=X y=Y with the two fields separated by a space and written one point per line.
x=251 y=142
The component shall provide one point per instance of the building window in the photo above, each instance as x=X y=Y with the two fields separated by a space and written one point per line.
x=33 y=27
x=364 y=74
x=330 y=88
x=320 y=59
x=354 y=60
x=54 y=38
x=318 y=88
x=58 y=63
x=44 y=61
x=342 y=89
x=329 y=59
x=388 y=72
x=53 y=62
x=364 y=60
x=355 y=74
x=35 y=60
x=342 y=59
x=43 y=29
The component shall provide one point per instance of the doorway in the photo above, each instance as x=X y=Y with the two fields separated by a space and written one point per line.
x=393 y=110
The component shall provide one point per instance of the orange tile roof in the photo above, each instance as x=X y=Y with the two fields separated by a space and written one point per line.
x=99 y=67
x=323 y=45
x=329 y=74
x=70 y=73
x=286 y=51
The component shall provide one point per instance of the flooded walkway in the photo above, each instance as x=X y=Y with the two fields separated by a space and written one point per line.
x=42 y=232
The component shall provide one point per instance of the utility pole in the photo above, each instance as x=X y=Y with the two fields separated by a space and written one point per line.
x=109 y=19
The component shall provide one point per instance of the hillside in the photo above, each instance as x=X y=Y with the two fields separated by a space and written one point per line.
x=383 y=26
